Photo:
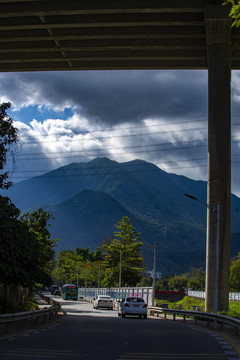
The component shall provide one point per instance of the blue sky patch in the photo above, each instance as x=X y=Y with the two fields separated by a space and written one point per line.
x=27 y=114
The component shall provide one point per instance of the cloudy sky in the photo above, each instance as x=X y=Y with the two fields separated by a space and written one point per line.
x=157 y=116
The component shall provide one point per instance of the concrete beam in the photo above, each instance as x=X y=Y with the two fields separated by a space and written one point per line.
x=218 y=35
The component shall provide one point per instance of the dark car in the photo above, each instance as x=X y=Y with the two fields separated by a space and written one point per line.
x=58 y=292
x=54 y=288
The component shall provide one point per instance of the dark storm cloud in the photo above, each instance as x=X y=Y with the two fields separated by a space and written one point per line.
x=114 y=97
x=153 y=115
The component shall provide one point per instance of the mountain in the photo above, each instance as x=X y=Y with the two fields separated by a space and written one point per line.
x=88 y=199
x=89 y=212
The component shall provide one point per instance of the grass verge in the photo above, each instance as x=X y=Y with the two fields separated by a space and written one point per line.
x=188 y=303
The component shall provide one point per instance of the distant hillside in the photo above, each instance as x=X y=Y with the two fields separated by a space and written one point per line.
x=88 y=199
x=87 y=219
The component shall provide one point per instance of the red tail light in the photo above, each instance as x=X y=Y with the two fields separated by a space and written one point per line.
x=127 y=305
x=145 y=305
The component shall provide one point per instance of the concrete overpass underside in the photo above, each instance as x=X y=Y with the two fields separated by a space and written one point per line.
x=57 y=35
x=38 y=35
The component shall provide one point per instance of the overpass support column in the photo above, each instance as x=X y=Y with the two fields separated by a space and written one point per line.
x=218 y=32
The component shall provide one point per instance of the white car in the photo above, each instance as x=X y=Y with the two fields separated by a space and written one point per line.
x=103 y=301
x=132 y=305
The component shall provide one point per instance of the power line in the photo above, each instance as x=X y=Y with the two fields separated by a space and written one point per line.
x=91 y=132
x=174 y=145
x=125 y=166
x=135 y=149
x=97 y=152
x=115 y=136
x=113 y=154
x=120 y=172
x=116 y=148
x=91 y=174
x=122 y=128
x=117 y=129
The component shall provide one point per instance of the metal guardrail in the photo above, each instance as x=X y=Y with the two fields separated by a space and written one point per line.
x=209 y=317
x=47 y=314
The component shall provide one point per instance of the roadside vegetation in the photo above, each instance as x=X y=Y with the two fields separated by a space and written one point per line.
x=101 y=267
x=7 y=308
x=26 y=248
x=195 y=279
x=27 y=254
x=234 y=12
x=188 y=303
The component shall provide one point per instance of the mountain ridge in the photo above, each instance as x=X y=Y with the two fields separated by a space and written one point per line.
x=88 y=199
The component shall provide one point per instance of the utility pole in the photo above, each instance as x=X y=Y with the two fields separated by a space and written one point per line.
x=154 y=268
x=154 y=273
x=99 y=276
x=211 y=287
x=120 y=272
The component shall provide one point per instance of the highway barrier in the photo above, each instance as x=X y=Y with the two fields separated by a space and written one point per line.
x=116 y=293
x=198 y=315
x=45 y=314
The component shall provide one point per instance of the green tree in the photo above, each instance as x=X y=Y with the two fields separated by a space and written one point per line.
x=163 y=283
x=20 y=263
x=20 y=268
x=123 y=252
x=37 y=224
x=8 y=136
x=79 y=265
x=234 y=12
x=67 y=265
x=18 y=255
x=194 y=280
x=90 y=255
x=235 y=274
x=26 y=250
x=178 y=282
x=197 y=280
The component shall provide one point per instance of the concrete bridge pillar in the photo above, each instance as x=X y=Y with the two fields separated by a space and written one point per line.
x=218 y=31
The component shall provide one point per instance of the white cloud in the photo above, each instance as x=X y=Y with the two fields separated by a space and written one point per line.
x=158 y=116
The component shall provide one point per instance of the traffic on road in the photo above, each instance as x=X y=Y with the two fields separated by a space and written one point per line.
x=87 y=333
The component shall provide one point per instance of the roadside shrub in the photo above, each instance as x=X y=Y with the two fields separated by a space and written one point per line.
x=188 y=303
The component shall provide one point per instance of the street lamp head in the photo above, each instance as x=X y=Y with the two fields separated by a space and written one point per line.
x=190 y=196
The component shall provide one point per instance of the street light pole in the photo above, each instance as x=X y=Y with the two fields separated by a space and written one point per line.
x=154 y=247
x=216 y=212
x=120 y=272
x=99 y=276
x=154 y=275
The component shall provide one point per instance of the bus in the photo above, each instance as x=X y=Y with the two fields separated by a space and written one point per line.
x=70 y=291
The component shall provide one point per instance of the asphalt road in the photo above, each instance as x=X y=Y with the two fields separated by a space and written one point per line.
x=86 y=333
